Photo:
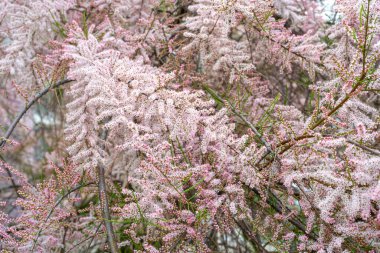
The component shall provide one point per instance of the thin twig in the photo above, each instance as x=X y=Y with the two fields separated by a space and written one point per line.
x=14 y=185
x=53 y=208
x=278 y=207
x=10 y=130
x=353 y=92
x=248 y=233
x=374 y=152
x=22 y=113
x=245 y=120
x=90 y=237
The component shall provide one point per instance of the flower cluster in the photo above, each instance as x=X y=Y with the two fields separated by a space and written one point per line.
x=189 y=126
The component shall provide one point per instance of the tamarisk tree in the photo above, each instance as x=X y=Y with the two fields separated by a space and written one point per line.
x=189 y=126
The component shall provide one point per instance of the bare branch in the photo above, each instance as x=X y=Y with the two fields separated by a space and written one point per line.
x=373 y=151
x=105 y=210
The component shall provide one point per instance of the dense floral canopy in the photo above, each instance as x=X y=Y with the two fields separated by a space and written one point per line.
x=189 y=126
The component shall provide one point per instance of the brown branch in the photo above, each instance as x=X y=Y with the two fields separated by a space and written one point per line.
x=9 y=173
x=352 y=93
x=27 y=107
x=373 y=151
x=248 y=233
x=106 y=210
x=3 y=140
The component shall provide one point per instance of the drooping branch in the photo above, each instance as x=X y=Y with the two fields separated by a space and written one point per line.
x=3 y=140
x=27 y=107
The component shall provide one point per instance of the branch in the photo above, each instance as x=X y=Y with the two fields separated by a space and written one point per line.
x=22 y=113
x=322 y=120
x=84 y=240
x=278 y=207
x=245 y=120
x=248 y=233
x=9 y=173
x=373 y=151
x=3 y=140
x=263 y=32
x=53 y=208
x=92 y=239
x=105 y=210
x=353 y=92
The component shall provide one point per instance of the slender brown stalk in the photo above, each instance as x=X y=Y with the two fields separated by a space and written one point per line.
x=27 y=107
x=106 y=210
